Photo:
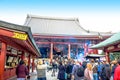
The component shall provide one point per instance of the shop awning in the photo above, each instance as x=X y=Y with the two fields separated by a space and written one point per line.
x=94 y=56
x=112 y=40
x=18 y=36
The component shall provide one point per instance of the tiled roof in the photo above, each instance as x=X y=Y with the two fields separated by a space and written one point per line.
x=112 y=40
x=20 y=28
x=58 y=26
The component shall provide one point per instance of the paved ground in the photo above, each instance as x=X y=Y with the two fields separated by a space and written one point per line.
x=34 y=76
x=48 y=74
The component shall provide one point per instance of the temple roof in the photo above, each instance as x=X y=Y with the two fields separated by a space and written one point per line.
x=110 y=41
x=59 y=26
x=21 y=29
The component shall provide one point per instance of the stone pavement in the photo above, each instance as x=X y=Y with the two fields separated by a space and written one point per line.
x=48 y=74
x=34 y=76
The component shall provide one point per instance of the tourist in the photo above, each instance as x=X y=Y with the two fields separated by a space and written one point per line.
x=21 y=71
x=61 y=72
x=95 y=70
x=88 y=73
x=117 y=72
x=41 y=70
x=105 y=71
x=54 y=67
x=75 y=74
x=69 y=68
x=113 y=67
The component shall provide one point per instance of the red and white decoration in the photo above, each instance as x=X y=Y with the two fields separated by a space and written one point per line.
x=58 y=48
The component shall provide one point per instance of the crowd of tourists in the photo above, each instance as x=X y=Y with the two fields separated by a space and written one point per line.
x=91 y=70
x=73 y=70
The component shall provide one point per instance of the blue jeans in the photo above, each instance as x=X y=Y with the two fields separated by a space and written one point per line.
x=95 y=76
x=44 y=78
x=20 y=78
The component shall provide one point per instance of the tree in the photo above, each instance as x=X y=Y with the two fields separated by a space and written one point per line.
x=114 y=56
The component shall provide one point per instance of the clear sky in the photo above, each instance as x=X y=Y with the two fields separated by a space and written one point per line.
x=95 y=15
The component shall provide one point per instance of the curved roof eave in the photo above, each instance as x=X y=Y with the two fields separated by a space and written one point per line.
x=112 y=40
x=21 y=28
x=77 y=29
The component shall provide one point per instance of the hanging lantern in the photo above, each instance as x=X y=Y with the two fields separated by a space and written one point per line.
x=58 y=48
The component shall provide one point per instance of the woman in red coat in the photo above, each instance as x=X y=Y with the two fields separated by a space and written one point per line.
x=21 y=71
x=117 y=72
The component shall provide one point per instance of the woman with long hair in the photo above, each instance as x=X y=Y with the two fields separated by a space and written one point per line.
x=88 y=73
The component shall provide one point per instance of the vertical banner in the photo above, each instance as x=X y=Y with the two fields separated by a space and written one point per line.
x=87 y=50
x=86 y=47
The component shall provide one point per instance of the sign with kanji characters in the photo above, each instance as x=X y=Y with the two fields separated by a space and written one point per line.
x=21 y=36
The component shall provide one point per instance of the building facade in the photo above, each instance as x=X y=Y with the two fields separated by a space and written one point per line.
x=16 y=43
x=63 y=37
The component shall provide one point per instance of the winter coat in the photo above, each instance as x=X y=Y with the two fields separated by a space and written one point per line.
x=21 y=71
x=117 y=73
x=88 y=75
x=106 y=72
x=41 y=71
x=61 y=73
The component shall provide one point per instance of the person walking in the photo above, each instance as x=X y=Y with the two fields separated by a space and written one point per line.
x=77 y=71
x=106 y=72
x=95 y=73
x=69 y=68
x=54 y=68
x=117 y=72
x=61 y=72
x=88 y=73
x=22 y=71
x=41 y=70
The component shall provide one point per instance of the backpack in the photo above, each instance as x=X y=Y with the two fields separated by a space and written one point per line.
x=105 y=71
x=69 y=68
x=80 y=71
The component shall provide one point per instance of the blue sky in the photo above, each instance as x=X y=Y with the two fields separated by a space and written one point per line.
x=60 y=5
x=92 y=14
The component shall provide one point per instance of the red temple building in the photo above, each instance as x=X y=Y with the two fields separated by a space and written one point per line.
x=110 y=45
x=16 y=43
x=65 y=37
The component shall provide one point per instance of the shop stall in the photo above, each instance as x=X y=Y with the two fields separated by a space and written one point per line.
x=16 y=43
x=110 y=45
x=94 y=56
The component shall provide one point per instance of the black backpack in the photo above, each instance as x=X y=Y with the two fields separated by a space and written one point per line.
x=105 y=71
x=80 y=71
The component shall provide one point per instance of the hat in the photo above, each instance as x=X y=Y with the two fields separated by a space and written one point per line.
x=40 y=62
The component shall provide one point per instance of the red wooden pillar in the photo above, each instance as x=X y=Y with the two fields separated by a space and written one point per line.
x=2 y=60
x=69 y=51
x=23 y=55
x=29 y=63
x=76 y=50
x=33 y=64
x=51 y=52
x=107 y=56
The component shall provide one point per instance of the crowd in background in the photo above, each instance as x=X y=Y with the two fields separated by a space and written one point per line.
x=90 y=70
x=70 y=69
